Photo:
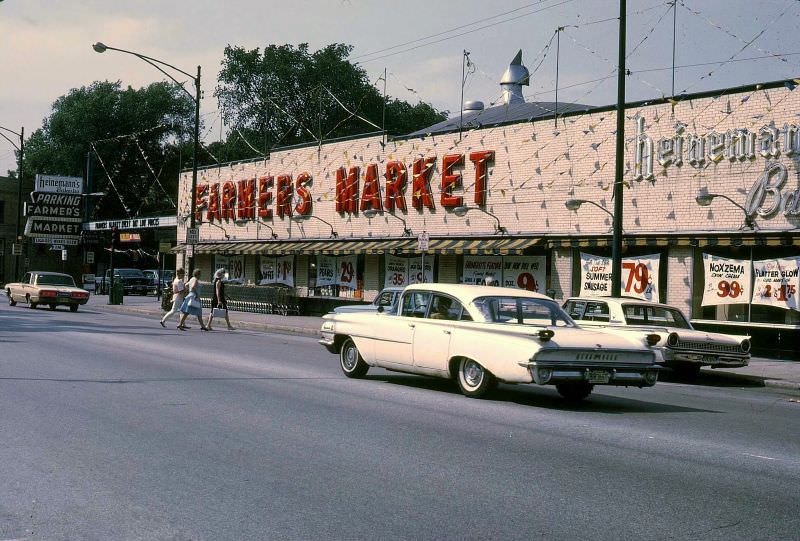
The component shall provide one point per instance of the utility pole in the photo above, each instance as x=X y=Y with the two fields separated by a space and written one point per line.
x=616 y=243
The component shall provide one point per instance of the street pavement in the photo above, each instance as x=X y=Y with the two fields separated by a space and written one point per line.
x=775 y=373
x=114 y=428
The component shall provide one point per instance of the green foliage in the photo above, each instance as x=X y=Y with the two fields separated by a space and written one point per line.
x=282 y=96
x=161 y=113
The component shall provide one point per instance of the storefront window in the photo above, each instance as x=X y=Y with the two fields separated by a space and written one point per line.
x=336 y=276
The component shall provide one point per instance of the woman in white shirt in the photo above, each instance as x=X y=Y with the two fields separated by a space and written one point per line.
x=178 y=294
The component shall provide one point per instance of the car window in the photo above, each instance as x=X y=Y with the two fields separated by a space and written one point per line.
x=384 y=299
x=27 y=278
x=642 y=314
x=596 y=311
x=445 y=308
x=521 y=311
x=415 y=303
x=55 y=280
x=575 y=309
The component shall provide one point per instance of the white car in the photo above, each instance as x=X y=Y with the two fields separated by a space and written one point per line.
x=480 y=335
x=682 y=348
x=386 y=299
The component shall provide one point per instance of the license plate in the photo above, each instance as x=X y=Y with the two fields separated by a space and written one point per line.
x=63 y=293
x=709 y=358
x=598 y=376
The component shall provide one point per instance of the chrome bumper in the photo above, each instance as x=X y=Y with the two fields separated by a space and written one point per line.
x=550 y=373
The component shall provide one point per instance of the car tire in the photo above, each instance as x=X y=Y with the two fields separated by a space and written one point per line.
x=11 y=301
x=574 y=392
x=686 y=370
x=473 y=379
x=350 y=360
x=31 y=305
x=73 y=308
x=52 y=306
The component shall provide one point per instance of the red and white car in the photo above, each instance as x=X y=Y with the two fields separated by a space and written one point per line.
x=50 y=288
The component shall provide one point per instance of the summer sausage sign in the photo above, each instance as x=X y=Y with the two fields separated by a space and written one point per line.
x=727 y=281
x=639 y=276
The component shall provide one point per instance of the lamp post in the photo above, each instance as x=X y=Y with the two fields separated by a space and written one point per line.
x=101 y=48
x=704 y=199
x=21 y=149
x=303 y=217
x=498 y=229
x=371 y=213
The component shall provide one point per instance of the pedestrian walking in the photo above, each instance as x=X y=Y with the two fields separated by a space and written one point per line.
x=192 y=306
x=178 y=294
x=218 y=300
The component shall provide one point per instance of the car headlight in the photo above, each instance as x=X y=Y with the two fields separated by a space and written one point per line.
x=652 y=339
x=542 y=375
x=651 y=376
x=672 y=340
x=327 y=326
x=745 y=345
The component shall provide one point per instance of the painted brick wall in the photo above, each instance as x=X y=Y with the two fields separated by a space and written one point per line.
x=679 y=279
x=561 y=273
x=449 y=272
x=372 y=264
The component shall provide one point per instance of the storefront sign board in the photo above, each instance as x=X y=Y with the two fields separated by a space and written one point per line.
x=277 y=270
x=726 y=281
x=477 y=267
x=326 y=271
x=639 y=276
x=525 y=272
x=776 y=282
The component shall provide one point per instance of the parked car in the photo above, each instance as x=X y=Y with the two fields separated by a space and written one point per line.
x=480 y=335
x=133 y=281
x=158 y=278
x=50 y=288
x=682 y=348
x=387 y=299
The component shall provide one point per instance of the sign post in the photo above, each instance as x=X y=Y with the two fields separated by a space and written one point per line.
x=423 y=239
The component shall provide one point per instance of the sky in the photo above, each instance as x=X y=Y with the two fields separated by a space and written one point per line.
x=45 y=47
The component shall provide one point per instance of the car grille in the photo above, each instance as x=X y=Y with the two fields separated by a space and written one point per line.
x=707 y=346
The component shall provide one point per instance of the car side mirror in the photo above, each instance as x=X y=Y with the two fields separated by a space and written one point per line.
x=380 y=309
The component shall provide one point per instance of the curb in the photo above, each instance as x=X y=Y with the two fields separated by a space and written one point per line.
x=241 y=324
x=782 y=384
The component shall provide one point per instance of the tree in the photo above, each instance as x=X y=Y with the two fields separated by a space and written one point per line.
x=132 y=130
x=288 y=95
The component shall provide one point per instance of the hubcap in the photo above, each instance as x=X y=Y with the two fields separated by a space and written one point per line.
x=473 y=373
x=349 y=357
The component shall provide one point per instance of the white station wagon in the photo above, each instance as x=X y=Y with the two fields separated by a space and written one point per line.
x=682 y=348
x=479 y=335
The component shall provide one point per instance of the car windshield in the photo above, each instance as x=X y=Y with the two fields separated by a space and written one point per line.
x=55 y=280
x=521 y=311
x=133 y=273
x=644 y=314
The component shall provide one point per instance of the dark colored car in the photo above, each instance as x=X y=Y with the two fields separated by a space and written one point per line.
x=134 y=282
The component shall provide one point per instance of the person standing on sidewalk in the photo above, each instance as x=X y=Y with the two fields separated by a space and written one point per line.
x=192 y=305
x=218 y=299
x=178 y=294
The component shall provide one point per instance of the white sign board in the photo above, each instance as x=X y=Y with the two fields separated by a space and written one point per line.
x=347 y=267
x=396 y=271
x=277 y=270
x=423 y=239
x=415 y=272
x=639 y=276
x=57 y=184
x=326 y=270
x=726 y=281
x=777 y=282
x=477 y=267
x=192 y=235
x=525 y=272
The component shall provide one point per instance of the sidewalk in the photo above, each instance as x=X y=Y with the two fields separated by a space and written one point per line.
x=761 y=371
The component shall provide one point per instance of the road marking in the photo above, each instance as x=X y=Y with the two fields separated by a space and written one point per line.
x=759 y=456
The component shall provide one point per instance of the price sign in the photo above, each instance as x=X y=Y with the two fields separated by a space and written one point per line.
x=640 y=277
x=776 y=282
x=416 y=273
x=396 y=271
x=477 y=267
x=284 y=270
x=727 y=281
x=347 y=267
x=326 y=270
x=525 y=272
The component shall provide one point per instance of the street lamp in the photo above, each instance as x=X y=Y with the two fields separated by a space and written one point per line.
x=575 y=204
x=704 y=199
x=224 y=231
x=371 y=213
x=261 y=222
x=101 y=48
x=21 y=149
x=303 y=217
x=498 y=229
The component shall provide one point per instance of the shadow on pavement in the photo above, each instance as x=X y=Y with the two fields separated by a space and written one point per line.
x=540 y=397
x=708 y=378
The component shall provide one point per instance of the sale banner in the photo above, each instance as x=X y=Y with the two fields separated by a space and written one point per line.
x=326 y=270
x=267 y=266
x=416 y=273
x=525 y=272
x=284 y=270
x=640 y=277
x=346 y=275
x=726 y=281
x=233 y=264
x=396 y=271
x=476 y=267
x=595 y=276
x=776 y=282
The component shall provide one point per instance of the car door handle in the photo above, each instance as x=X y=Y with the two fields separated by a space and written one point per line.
x=446 y=332
x=411 y=325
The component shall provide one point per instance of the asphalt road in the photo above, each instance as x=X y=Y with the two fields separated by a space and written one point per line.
x=114 y=428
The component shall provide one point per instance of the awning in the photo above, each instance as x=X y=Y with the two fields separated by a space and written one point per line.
x=500 y=246
x=732 y=239
x=337 y=246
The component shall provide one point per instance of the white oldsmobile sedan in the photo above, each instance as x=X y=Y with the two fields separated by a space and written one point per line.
x=682 y=348
x=480 y=335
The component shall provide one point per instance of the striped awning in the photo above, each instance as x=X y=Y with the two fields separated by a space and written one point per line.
x=698 y=241
x=500 y=246
x=336 y=247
